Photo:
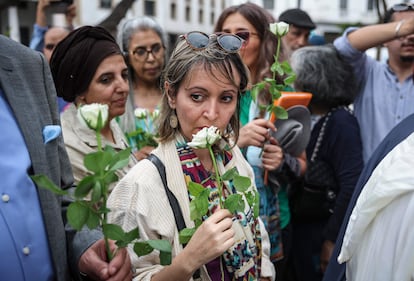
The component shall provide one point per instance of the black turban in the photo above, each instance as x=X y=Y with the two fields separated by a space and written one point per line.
x=76 y=58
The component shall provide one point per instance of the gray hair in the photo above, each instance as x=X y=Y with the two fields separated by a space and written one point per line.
x=127 y=27
x=215 y=62
x=321 y=71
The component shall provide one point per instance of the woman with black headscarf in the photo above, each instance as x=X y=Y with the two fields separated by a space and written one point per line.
x=88 y=67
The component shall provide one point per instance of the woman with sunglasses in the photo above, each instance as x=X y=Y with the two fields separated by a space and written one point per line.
x=144 y=43
x=258 y=54
x=203 y=84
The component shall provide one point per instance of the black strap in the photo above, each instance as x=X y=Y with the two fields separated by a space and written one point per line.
x=178 y=215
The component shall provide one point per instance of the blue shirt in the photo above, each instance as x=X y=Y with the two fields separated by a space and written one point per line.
x=382 y=102
x=37 y=42
x=24 y=249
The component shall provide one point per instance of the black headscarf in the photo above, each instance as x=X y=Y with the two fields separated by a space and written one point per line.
x=76 y=58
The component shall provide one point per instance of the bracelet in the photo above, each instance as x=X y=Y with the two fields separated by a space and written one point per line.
x=398 y=27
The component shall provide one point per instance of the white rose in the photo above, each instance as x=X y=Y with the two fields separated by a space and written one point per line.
x=94 y=115
x=204 y=137
x=155 y=114
x=279 y=29
x=140 y=113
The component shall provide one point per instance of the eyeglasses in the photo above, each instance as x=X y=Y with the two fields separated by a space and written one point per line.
x=142 y=53
x=199 y=40
x=50 y=46
x=402 y=7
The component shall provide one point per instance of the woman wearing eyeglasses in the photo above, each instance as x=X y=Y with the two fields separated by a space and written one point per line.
x=202 y=86
x=144 y=43
x=257 y=53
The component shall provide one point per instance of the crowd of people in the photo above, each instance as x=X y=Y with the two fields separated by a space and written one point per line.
x=330 y=209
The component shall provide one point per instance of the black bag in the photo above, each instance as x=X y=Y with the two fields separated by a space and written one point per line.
x=315 y=199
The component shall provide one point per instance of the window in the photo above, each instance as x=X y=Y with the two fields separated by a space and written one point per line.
x=268 y=4
x=173 y=11
x=343 y=4
x=370 y=5
x=149 y=8
x=200 y=16
x=187 y=13
x=106 y=4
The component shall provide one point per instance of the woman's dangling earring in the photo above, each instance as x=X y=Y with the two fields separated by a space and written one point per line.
x=173 y=120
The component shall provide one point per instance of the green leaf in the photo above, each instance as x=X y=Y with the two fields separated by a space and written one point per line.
x=186 y=234
x=199 y=205
x=96 y=192
x=160 y=245
x=229 y=174
x=132 y=235
x=280 y=112
x=286 y=67
x=290 y=79
x=165 y=258
x=234 y=202
x=77 y=214
x=110 y=177
x=94 y=219
x=113 y=231
x=195 y=188
x=120 y=160
x=142 y=248
x=277 y=68
x=256 y=204
x=44 y=182
x=241 y=183
x=97 y=162
x=85 y=186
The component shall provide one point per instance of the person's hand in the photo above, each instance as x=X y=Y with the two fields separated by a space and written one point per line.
x=143 y=152
x=70 y=14
x=93 y=263
x=43 y=4
x=326 y=253
x=255 y=133
x=272 y=156
x=214 y=236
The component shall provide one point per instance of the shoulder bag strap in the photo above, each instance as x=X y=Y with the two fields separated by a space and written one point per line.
x=178 y=215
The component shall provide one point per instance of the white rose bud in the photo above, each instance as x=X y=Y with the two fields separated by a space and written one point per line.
x=94 y=115
x=155 y=114
x=140 y=113
x=204 y=137
x=279 y=29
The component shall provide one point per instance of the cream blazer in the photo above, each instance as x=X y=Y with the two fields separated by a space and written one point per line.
x=139 y=200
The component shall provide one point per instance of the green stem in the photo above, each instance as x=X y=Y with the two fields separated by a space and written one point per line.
x=99 y=140
x=217 y=175
x=105 y=220
x=277 y=55
x=104 y=198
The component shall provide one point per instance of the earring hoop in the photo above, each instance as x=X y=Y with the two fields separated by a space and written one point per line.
x=173 y=120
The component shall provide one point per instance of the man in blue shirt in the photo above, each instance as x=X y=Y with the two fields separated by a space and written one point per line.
x=35 y=243
x=386 y=94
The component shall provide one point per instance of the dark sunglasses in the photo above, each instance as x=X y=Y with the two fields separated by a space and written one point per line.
x=50 y=46
x=402 y=7
x=199 y=40
x=245 y=34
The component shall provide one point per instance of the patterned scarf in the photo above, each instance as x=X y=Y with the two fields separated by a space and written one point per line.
x=242 y=261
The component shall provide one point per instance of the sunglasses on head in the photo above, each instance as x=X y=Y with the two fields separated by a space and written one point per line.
x=402 y=7
x=199 y=40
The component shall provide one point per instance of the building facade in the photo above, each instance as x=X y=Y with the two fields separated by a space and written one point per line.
x=180 y=16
